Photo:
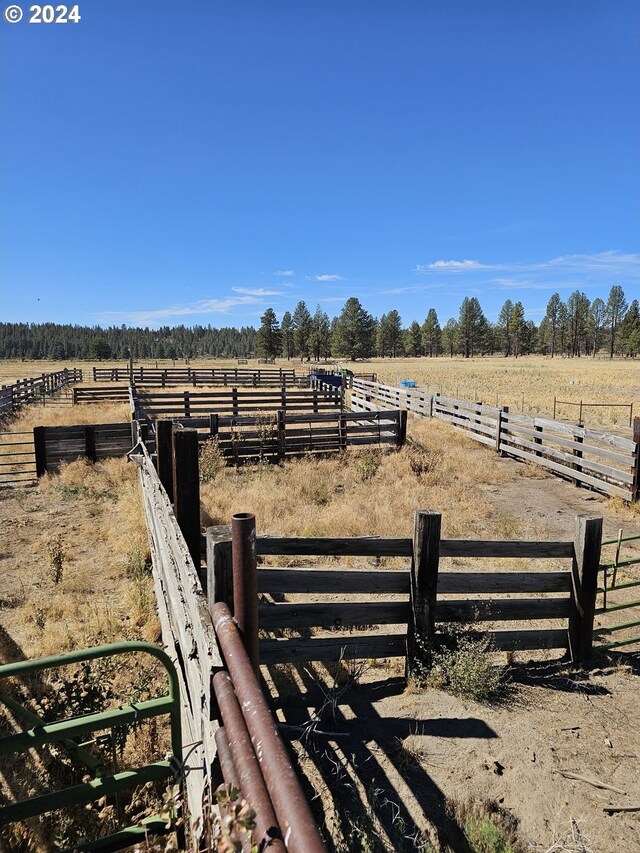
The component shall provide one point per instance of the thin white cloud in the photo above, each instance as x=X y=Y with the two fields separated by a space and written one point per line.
x=453 y=266
x=203 y=306
x=611 y=262
x=329 y=277
x=257 y=291
x=284 y=272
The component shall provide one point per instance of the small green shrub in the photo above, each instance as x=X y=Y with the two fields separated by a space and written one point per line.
x=367 y=466
x=462 y=663
x=485 y=837
x=211 y=460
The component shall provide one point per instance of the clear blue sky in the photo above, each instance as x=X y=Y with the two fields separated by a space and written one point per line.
x=197 y=162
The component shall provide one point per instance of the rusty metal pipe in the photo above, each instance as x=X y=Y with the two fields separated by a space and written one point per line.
x=301 y=834
x=245 y=582
x=267 y=834
x=227 y=767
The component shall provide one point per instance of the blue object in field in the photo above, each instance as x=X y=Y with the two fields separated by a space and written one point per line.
x=328 y=378
x=407 y=383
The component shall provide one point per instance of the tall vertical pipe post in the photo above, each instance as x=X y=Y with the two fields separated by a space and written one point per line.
x=245 y=582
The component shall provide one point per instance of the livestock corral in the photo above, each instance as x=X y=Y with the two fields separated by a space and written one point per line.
x=444 y=632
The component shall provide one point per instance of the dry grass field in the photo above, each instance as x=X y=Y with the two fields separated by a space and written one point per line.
x=531 y=381
x=528 y=383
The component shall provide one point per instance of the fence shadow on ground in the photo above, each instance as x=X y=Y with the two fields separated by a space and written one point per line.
x=360 y=781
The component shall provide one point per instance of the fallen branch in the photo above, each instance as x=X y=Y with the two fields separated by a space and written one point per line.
x=614 y=809
x=595 y=782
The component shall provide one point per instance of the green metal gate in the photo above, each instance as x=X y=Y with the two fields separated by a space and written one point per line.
x=616 y=592
x=71 y=735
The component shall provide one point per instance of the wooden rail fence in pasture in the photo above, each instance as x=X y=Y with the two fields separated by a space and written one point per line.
x=58 y=444
x=607 y=463
x=277 y=436
x=197 y=376
x=17 y=459
x=415 y=599
x=36 y=389
x=94 y=394
x=234 y=402
x=219 y=731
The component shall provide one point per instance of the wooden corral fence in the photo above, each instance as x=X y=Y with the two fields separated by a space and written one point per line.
x=233 y=402
x=17 y=459
x=417 y=598
x=228 y=730
x=278 y=436
x=36 y=388
x=101 y=394
x=196 y=376
x=608 y=463
x=58 y=444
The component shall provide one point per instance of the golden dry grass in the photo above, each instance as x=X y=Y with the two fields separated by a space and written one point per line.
x=505 y=381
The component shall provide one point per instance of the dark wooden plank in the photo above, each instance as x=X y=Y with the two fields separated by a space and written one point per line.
x=349 y=647
x=556 y=638
x=322 y=580
x=530 y=549
x=330 y=614
x=357 y=546
x=496 y=582
x=507 y=609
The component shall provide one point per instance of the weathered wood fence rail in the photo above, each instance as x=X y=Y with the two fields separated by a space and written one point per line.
x=93 y=394
x=415 y=599
x=196 y=376
x=607 y=463
x=35 y=388
x=233 y=402
x=277 y=436
x=55 y=445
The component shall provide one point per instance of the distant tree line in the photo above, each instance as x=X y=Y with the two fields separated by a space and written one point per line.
x=574 y=328
x=577 y=327
x=54 y=341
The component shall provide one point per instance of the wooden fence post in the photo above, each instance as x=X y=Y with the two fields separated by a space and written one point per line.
x=90 y=443
x=402 y=427
x=186 y=489
x=538 y=440
x=501 y=412
x=424 y=588
x=40 y=448
x=219 y=585
x=234 y=402
x=577 y=452
x=187 y=407
x=164 y=455
x=584 y=574
x=342 y=430
x=282 y=435
x=635 y=487
x=213 y=425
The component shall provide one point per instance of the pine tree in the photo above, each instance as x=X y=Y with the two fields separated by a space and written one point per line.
x=301 y=322
x=286 y=329
x=431 y=334
x=269 y=337
x=353 y=332
x=616 y=306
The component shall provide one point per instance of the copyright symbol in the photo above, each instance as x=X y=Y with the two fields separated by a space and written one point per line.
x=13 y=14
